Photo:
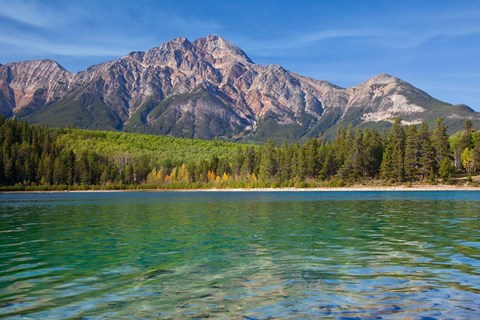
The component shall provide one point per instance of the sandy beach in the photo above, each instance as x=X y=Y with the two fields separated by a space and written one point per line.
x=354 y=188
x=342 y=189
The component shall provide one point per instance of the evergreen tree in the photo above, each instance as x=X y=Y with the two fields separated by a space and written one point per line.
x=268 y=162
x=393 y=168
x=412 y=152
x=238 y=161
x=300 y=164
x=248 y=165
x=427 y=160
x=329 y=166
x=311 y=160
x=446 y=169
x=285 y=163
x=354 y=163
x=440 y=140
x=341 y=147
x=476 y=150
x=466 y=142
x=2 y=169
x=373 y=144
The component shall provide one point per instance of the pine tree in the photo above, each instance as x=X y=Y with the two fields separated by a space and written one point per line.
x=466 y=142
x=300 y=164
x=248 y=165
x=285 y=163
x=2 y=169
x=9 y=171
x=341 y=146
x=393 y=168
x=268 y=162
x=58 y=171
x=238 y=161
x=446 y=169
x=354 y=162
x=311 y=163
x=411 y=153
x=476 y=150
x=428 y=165
x=373 y=144
x=329 y=166
x=440 y=140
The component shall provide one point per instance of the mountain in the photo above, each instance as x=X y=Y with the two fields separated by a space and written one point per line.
x=209 y=89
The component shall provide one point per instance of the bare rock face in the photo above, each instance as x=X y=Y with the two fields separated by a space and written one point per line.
x=32 y=84
x=210 y=89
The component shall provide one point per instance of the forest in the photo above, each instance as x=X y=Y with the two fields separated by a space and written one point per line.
x=39 y=158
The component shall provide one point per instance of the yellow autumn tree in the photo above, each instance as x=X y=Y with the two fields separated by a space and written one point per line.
x=468 y=160
x=156 y=176
x=225 y=177
x=211 y=176
x=183 y=174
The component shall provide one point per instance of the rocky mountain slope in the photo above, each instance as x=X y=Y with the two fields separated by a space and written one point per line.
x=209 y=89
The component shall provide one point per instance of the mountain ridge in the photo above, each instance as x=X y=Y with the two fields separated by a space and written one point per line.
x=209 y=89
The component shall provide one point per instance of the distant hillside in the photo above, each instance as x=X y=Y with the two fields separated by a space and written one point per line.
x=158 y=150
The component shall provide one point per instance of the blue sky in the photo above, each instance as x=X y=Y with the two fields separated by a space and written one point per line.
x=435 y=45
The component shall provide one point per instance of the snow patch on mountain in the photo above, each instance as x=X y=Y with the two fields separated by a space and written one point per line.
x=397 y=106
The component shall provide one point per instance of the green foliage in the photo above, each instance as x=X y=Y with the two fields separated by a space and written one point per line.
x=283 y=133
x=412 y=153
x=427 y=160
x=393 y=168
x=48 y=159
x=446 y=169
x=440 y=141
x=84 y=111
x=159 y=150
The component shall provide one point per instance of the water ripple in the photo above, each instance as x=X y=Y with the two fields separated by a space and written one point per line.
x=240 y=256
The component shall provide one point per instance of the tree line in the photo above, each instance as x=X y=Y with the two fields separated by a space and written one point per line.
x=38 y=157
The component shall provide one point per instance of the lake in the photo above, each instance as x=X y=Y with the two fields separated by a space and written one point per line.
x=240 y=255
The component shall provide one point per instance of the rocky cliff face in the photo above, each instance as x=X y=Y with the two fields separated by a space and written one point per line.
x=31 y=85
x=208 y=89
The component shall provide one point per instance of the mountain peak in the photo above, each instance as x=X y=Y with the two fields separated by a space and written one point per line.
x=180 y=40
x=176 y=43
x=221 y=49
x=45 y=64
x=382 y=78
x=215 y=38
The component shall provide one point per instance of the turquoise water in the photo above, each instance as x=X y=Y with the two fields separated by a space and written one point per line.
x=240 y=255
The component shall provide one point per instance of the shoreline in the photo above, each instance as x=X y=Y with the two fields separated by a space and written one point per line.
x=318 y=189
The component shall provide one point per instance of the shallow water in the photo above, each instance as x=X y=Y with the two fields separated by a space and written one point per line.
x=240 y=255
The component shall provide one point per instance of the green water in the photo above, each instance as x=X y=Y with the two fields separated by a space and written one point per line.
x=245 y=255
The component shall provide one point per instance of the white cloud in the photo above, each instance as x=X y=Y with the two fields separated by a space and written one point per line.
x=27 y=12
x=334 y=34
x=275 y=47
x=36 y=45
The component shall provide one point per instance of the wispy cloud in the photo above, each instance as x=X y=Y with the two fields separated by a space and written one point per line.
x=37 y=46
x=408 y=40
x=92 y=29
x=335 y=34
x=27 y=12
x=300 y=40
